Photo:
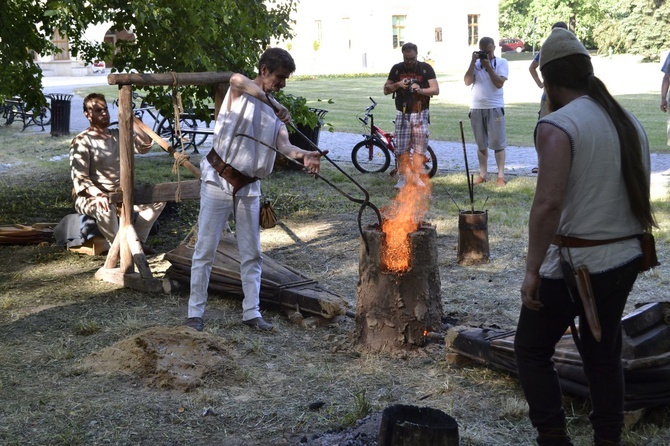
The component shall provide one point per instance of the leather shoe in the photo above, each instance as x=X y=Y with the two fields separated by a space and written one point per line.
x=195 y=323
x=501 y=182
x=479 y=180
x=259 y=324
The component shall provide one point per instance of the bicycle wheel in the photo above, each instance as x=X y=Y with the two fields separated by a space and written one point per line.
x=190 y=136
x=43 y=117
x=430 y=165
x=370 y=156
x=164 y=130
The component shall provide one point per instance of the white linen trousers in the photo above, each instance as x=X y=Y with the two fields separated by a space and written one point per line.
x=216 y=206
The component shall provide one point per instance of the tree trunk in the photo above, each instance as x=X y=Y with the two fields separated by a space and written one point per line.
x=394 y=311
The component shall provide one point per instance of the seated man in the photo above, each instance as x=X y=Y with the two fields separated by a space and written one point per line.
x=95 y=172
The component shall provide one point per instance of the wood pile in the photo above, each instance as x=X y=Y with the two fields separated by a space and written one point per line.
x=280 y=285
x=26 y=235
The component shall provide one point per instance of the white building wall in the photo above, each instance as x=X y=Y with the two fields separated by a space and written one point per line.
x=357 y=35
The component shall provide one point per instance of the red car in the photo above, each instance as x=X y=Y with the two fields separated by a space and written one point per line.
x=511 y=45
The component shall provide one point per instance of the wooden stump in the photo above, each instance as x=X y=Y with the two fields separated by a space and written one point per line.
x=473 y=237
x=394 y=311
x=410 y=426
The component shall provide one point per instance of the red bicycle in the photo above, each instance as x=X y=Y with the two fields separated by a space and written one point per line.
x=373 y=154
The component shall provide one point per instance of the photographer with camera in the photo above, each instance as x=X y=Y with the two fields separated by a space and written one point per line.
x=487 y=75
x=412 y=84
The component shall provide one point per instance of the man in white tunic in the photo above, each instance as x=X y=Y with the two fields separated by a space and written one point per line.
x=230 y=180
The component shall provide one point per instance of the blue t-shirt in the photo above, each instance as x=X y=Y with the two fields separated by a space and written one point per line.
x=666 y=65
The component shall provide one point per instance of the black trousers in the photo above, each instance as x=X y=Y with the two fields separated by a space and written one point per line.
x=539 y=331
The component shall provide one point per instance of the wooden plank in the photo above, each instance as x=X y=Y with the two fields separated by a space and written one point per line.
x=148 y=193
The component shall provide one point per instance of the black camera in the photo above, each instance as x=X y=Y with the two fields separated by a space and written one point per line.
x=411 y=81
x=482 y=54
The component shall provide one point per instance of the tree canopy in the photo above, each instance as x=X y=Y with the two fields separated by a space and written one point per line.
x=179 y=36
x=626 y=26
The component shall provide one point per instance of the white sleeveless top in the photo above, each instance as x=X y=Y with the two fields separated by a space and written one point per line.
x=596 y=205
x=246 y=116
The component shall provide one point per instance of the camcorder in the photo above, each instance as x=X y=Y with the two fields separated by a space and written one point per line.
x=482 y=54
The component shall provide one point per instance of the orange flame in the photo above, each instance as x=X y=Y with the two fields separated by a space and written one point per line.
x=404 y=214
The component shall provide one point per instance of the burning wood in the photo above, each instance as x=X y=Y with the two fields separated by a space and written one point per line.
x=404 y=216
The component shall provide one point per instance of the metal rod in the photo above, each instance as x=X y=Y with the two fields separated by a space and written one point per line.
x=467 y=171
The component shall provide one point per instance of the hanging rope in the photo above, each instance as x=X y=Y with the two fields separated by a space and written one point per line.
x=180 y=157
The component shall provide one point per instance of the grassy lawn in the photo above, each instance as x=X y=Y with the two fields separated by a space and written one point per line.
x=349 y=95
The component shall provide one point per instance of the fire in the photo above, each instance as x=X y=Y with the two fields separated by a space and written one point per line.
x=404 y=215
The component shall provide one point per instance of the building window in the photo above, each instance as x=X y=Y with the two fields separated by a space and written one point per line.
x=473 y=29
x=438 y=34
x=399 y=30
x=318 y=30
x=62 y=43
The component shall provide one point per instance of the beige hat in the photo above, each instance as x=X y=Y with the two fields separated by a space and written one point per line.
x=560 y=43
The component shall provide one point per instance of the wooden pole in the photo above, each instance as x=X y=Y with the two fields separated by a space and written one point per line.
x=157 y=79
x=127 y=171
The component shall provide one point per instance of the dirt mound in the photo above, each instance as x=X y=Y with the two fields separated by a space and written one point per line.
x=164 y=357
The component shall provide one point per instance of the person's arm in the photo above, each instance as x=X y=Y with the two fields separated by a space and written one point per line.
x=553 y=154
x=497 y=80
x=311 y=159
x=469 y=77
x=533 y=72
x=241 y=84
x=664 y=92
x=143 y=142
x=392 y=86
x=432 y=90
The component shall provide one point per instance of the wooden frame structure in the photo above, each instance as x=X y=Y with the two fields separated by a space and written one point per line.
x=126 y=251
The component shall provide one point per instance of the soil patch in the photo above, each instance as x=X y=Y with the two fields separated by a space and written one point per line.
x=164 y=357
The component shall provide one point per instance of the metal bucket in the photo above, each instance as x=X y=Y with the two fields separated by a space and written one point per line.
x=473 y=237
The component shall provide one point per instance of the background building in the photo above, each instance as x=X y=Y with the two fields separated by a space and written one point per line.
x=350 y=36
x=354 y=36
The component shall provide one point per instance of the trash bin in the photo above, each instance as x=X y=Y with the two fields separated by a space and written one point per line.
x=60 y=113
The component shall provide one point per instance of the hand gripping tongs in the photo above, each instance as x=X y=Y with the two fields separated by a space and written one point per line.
x=365 y=202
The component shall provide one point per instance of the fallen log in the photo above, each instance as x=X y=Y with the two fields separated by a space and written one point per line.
x=280 y=285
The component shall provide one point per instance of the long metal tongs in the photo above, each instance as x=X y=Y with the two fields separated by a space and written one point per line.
x=363 y=202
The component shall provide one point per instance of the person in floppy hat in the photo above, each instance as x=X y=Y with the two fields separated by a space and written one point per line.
x=593 y=188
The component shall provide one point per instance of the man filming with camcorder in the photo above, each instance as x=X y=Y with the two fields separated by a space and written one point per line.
x=487 y=75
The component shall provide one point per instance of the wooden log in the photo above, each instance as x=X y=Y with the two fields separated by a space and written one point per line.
x=393 y=311
x=202 y=78
x=126 y=150
x=404 y=425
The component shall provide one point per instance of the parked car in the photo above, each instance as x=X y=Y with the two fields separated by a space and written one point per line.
x=511 y=45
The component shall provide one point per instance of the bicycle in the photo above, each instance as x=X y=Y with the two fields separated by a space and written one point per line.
x=373 y=154
x=192 y=134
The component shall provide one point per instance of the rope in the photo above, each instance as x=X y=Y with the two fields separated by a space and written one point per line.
x=177 y=110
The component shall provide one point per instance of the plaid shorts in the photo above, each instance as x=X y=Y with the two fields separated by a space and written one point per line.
x=411 y=132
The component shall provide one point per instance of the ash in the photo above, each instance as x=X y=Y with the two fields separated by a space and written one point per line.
x=364 y=433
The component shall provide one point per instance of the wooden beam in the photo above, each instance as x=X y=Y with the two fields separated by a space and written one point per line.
x=202 y=78
x=156 y=193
